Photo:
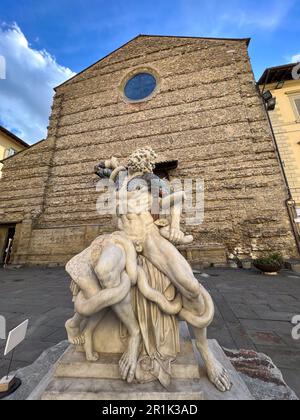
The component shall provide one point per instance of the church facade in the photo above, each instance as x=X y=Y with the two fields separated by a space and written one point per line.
x=193 y=100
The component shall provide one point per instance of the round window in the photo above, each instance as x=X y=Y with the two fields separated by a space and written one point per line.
x=140 y=86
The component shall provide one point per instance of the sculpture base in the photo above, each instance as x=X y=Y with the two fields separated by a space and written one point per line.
x=76 y=379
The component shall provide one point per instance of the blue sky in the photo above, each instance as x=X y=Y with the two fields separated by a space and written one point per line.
x=56 y=38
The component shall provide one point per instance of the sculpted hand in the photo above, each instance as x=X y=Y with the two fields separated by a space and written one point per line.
x=113 y=163
x=176 y=235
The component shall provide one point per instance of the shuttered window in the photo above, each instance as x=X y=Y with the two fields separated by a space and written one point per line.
x=297 y=104
x=10 y=152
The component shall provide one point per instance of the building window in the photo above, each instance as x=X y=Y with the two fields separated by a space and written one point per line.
x=295 y=101
x=9 y=152
x=297 y=105
x=140 y=87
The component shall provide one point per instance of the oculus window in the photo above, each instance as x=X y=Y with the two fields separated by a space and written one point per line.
x=140 y=87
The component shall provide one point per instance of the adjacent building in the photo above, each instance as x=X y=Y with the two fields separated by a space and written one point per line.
x=10 y=144
x=285 y=87
x=283 y=82
x=194 y=101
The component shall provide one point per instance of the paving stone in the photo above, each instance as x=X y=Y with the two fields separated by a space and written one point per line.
x=268 y=326
x=59 y=320
x=4 y=365
x=242 y=311
x=224 y=308
x=289 y=341
x=40 y=332
x=223 y=336
x=30 y=350
x=57 y=336
x=283 y=307
x=269 y=314
x=265 y=338
x=283 y=358
x=240 y=337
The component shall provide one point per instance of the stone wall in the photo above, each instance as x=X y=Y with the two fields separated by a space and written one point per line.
x=206 y=112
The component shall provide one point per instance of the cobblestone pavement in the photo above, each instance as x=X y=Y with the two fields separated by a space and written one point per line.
x=252 y=312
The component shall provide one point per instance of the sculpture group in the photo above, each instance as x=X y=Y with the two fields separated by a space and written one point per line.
x=138 y=274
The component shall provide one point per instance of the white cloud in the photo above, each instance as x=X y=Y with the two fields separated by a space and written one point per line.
x=26 y=93
x=296 y=58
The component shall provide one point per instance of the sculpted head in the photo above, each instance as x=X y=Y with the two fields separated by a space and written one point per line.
x=142 y=160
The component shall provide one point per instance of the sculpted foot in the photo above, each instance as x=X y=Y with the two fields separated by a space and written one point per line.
x=128 y=362
x=91 y=356
x=73 y=331
x=219 y=377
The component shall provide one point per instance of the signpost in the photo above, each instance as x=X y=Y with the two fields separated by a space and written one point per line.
x=10 y=383
x=2 y=328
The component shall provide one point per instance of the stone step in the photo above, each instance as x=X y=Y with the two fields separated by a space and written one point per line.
x=105 y=389
x=74 y=365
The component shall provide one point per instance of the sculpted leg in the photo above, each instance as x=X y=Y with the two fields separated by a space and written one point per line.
x=217 y=374
x=198 y=307
x=73 y=329
x=166 y=258
x=192 y=313
x=111 y=274
x=128 y=362
x=91 y=301
x=104 y=283
x=103 y=299
x=84 y=280
x=115 y=287
x=87 y=336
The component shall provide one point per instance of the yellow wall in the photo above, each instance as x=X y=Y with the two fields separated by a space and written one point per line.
x=7 y=142
x=286 y=125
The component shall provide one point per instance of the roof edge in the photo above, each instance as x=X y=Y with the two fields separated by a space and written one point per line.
x=13 y=136
x=247 y=40
x=96 y=62
x=269 y=69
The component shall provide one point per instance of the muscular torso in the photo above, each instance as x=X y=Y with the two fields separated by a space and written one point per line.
x=137 y=226
x=135 y=211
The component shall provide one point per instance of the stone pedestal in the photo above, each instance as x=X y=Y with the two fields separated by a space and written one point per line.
x=75 y=379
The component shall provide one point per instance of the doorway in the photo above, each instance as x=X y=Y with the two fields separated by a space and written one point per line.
x=7 y=234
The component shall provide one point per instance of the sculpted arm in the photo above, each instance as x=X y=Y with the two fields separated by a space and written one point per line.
x=172 y=204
